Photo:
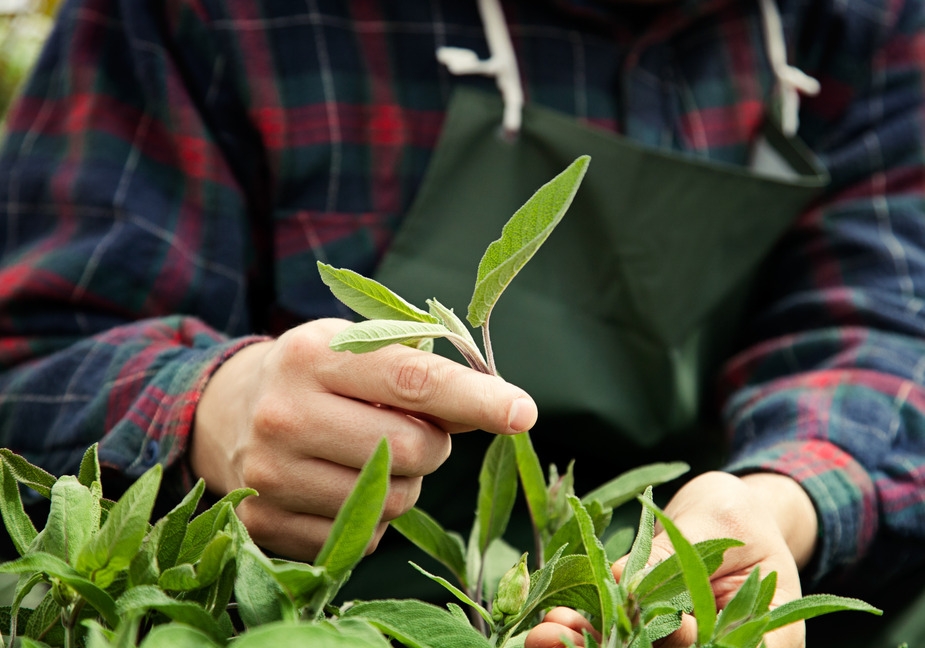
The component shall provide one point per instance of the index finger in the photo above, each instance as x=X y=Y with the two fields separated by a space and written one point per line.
x=454 y=397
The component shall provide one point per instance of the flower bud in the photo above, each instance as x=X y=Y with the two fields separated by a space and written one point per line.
x=513 y=589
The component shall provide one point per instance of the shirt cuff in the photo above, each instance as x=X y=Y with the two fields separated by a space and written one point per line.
x=841 y=490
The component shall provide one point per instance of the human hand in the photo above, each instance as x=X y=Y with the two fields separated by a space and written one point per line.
x=770 y=513
x=296 y=421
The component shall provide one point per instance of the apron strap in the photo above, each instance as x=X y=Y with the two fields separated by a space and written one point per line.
x=501 y=64
x=790 y=80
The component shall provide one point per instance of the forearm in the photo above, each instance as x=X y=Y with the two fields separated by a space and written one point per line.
x=133 y=389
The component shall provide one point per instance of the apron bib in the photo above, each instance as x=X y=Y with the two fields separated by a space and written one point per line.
x=619 y=323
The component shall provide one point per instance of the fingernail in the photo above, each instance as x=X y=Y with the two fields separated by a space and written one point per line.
x=522 y=415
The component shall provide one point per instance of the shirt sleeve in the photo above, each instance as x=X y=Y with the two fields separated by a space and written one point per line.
x=831 y=389
x=125 y=243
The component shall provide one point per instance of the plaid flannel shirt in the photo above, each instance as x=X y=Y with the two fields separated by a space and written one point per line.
x=173 y=170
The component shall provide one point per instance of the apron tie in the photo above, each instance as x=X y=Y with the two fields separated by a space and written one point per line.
x=501 y=63
x=790 y=80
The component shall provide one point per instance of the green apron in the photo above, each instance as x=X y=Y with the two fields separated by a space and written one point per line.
x=620 y=322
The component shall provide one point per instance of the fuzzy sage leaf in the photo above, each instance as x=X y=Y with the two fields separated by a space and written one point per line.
x=18 y=524
x=813 y=605
x=356 y=521
x=521 y=237
x=695 y=574
x=371 y=335
x=431 y=538
x=497 y=490
x=111 y=550
x=370 y=298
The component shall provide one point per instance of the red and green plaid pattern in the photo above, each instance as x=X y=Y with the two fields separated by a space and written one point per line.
x=174 y=170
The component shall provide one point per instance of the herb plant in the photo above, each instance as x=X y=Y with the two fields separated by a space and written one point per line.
x=114 y=580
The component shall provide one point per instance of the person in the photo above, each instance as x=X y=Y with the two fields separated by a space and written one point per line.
x=173 y=171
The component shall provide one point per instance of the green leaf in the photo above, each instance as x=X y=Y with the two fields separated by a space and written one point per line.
x=187 y=577
x=162 y=544
x=600 y=567
x=569 y=534
x=372 y=335
x=27 y=474
x=531 y=477
x=47 y=615
x=18 y=524
x=633 y=482
x=765 y=594
x=139 y=600
x=89 y=466
x=299 y=581
x=560 y=488
x=455 y=591
x=144 y=570
x=347 y=633
x=431 y=538
x=497 y=490
x=53 y=566
x=747 y=635
x=665 y=580
x=642 y=546
x=451 y=320
x=461 y=338
x=741 y=606
x=204 y=526
x=356 y=522
x=695 y=574
x=573 y=584
x=815 y=605
x=24 y=587
x=521 y=237
x=70 y=519
x=258 y=594
x=370 y=298
x=176 y=635
x=418 y=625
x=175 y=524
x=26 y=642
x=661 y=621
x=119 y=539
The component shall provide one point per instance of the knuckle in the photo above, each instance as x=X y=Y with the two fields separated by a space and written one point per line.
x=270 y=416
x=261 y=475
x=420 y=453
x=414 y=380
x=298 y=344
x=403 y=494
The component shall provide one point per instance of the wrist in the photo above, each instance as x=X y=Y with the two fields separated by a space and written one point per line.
x=222 y=411
x=791 y=508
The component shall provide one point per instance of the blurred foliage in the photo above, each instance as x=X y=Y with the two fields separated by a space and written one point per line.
x=24 y=26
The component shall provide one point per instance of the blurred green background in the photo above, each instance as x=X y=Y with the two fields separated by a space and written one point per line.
x=24 y=26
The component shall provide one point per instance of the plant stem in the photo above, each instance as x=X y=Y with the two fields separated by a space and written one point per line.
x=479 y=587
x=69 y=617
x=489 y=354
